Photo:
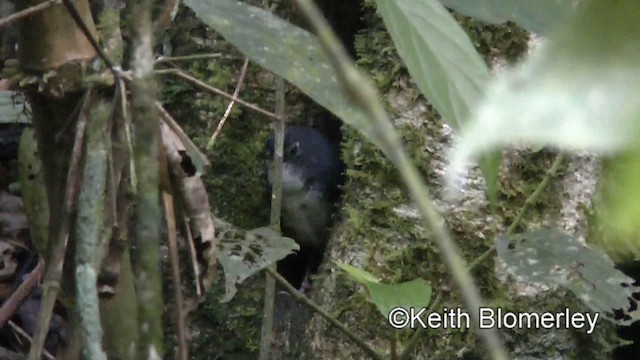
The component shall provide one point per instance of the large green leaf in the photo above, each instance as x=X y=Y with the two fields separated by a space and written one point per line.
x=286 y=50
x=538 y=16
x=618 y=206
x=559 y=259
x=442 y=61
x=579 y=92
x=411 y=294
x=438 y=54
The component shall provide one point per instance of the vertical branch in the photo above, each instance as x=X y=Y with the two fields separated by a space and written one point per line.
x=58 y=232
x=276 y=202
x=89 y=228
x=146 y=249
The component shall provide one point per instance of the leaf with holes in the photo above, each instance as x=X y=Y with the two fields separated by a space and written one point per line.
x=559 y=259
x=244 y=253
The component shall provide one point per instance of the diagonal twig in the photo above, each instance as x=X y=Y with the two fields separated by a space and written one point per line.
x=236 y=92
x=20 y=294
x=25 y=335
x=216 y=91
x=28 y=11
x=92 y=40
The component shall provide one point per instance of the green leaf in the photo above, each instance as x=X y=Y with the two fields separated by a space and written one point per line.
x=244 y=253
x=286 y=50
x=538 y=16
x=578 y=92
x=442 y=61
x=617 y=208
x=357 y=274
x=559 y=259
x=11 y=111
x=411 y=294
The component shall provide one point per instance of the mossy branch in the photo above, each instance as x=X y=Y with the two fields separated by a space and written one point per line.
x=146 y=249
x=363 y=94
x=89 y=230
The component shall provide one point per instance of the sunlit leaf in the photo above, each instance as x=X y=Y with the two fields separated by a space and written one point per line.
x=579 y=92
x=537 y=16
x=559 y=259
x=442 y=61
x=360 y=275
x=618 y=206
x=411 y=294
x=244 y=253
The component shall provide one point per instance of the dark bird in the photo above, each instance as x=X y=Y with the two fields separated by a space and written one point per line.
x=311 y=178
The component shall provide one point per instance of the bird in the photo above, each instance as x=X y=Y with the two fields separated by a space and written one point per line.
x=312 y=178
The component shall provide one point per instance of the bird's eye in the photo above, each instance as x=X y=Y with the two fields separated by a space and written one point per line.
x=294 y=149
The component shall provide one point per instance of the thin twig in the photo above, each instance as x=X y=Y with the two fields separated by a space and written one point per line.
x=236 y=92
x=216 y=91
x=23 y=291
x=28 y=11
x=24 y=334
x=163 y=59
x=194 y=255
x=92 y=40
x=145 y=254
x=174 y=260
x=298 y=296
x=276 y=206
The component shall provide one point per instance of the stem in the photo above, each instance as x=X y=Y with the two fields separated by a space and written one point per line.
x=89 y=228
x=146 y=250
x=276 y=206
x=28 y=11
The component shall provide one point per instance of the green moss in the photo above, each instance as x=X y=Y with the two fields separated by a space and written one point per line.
x=376 y=216
x=399 y=248
x=519 y=181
